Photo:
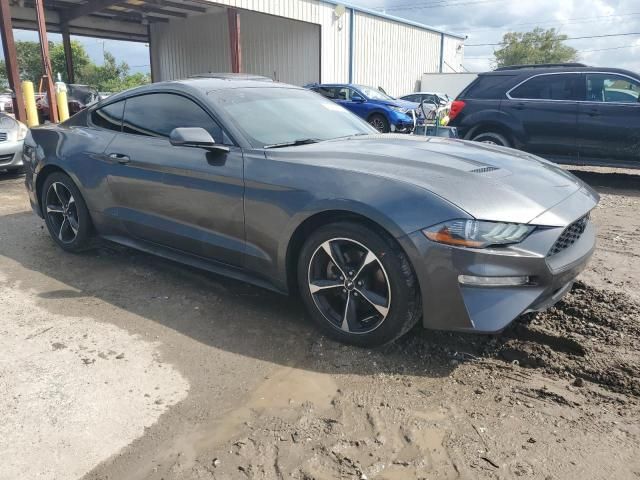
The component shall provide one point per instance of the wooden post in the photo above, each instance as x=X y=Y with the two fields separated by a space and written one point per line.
x=11 y=60
x=46 y=62
x=234 y=39
x=68 y=54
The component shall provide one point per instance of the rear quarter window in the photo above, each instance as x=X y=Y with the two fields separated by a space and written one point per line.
x=489 y=87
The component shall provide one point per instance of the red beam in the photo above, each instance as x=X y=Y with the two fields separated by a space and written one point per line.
x=234 y=39
x=11 y=60
x=46 y=62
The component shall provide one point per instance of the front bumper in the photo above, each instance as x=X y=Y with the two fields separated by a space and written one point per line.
x=11 y=154
x=400 y=122
x=450 y=305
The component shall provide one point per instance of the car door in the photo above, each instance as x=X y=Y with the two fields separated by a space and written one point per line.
x=545 y=107
x=186 y=198
x=609 y=119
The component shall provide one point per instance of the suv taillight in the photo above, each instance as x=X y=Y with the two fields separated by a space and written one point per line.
x=456 y=108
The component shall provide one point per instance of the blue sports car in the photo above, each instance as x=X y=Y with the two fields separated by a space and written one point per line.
x=385 y=113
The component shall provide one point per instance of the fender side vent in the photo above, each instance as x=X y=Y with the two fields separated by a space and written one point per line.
x=484 y=170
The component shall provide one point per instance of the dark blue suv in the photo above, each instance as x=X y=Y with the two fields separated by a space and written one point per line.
x=385 y=113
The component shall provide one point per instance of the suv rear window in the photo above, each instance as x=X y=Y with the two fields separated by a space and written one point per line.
x=488 y=87
x=563 y=86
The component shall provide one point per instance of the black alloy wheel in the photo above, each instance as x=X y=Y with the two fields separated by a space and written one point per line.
x=358 y=284
x=349 y=285
x=66 y=213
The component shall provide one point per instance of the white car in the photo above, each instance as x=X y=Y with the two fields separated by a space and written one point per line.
x=442 y=99
x=12 y=133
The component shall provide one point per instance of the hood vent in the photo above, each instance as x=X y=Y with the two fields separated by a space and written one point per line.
x=484 y=170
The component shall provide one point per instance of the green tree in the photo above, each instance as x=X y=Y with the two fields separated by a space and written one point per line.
x=110 y=76
x=4 y=79
x=535 y=47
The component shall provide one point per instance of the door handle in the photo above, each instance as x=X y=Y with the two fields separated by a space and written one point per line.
x=519 y=106
x=593 y=113
x=120 y=157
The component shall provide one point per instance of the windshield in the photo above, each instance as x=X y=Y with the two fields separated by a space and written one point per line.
x=374 y=93
x=272 y=116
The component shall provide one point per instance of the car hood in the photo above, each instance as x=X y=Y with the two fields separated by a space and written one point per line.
x=488 y=182
x=399 y=103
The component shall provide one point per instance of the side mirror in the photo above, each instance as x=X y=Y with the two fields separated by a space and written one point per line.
x=357 y=98
x=194 y=137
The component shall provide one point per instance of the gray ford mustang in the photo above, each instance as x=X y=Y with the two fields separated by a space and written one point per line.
x=277 y=186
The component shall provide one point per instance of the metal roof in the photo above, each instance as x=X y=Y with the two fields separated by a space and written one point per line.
x=393 y=18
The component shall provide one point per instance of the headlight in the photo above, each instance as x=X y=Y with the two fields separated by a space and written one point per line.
x=22 y=131
x=399 y=109
x=477 y=233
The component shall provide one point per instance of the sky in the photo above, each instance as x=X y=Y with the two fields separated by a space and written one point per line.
x=484 y=21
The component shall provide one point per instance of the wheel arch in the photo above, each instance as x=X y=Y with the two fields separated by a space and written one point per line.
x=42 y=177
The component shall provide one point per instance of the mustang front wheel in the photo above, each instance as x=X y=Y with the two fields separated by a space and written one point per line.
x=358 y=284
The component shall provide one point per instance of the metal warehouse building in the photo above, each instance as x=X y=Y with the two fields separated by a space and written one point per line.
x=294 y=41
x=304 y=41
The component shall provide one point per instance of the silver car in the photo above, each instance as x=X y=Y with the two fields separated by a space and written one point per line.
x=12 y=133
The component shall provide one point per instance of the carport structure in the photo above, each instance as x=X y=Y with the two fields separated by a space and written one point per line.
x=109 y=19
x=294 y=41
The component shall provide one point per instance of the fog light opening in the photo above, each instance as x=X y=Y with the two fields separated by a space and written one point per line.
x=493 y=281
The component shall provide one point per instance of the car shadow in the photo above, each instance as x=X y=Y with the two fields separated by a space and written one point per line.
x=613 y=183
x=214 y=310
x=6 y=176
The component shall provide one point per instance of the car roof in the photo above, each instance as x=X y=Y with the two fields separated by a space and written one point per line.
x=201 y=85
x=532 y=70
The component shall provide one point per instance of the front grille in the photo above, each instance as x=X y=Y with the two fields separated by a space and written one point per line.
x=6 y=158
x=570 y=235
x=3 y=136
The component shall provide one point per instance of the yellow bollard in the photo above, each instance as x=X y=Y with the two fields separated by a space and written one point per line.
x=30 y=103
x=63 y=106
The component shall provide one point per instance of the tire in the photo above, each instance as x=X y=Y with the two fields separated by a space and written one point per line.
x=375 y=268
x=380 y=123
x=62 y=203
x=492 y=138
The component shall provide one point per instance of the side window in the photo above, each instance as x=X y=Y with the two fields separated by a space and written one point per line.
x=412 y=98
x=604 y=87
x=157 y=114
x=109 y=117
x=550 y=87
x=343 y=93
x=328 y=92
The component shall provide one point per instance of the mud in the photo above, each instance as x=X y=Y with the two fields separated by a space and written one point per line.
x=555 y=396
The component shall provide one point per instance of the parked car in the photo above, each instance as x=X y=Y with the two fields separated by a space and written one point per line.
x=12 y=133
x=440 y=99
x=384 y=113
x=566 y=113
x=78 y=97
x=374 y=231
x=6 y=103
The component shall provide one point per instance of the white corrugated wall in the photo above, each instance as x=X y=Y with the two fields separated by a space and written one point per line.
x=392 y=55
x=386 y=53
x=453 y=55
x=198 y=44
x=285 y=50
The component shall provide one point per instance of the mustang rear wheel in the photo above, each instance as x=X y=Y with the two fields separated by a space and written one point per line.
x=65 y=213
x=358 y=285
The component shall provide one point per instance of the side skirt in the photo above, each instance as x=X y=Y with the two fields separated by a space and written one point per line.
x=195 y=261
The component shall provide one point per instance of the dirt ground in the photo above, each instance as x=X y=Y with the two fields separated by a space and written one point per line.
x=118 y=365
